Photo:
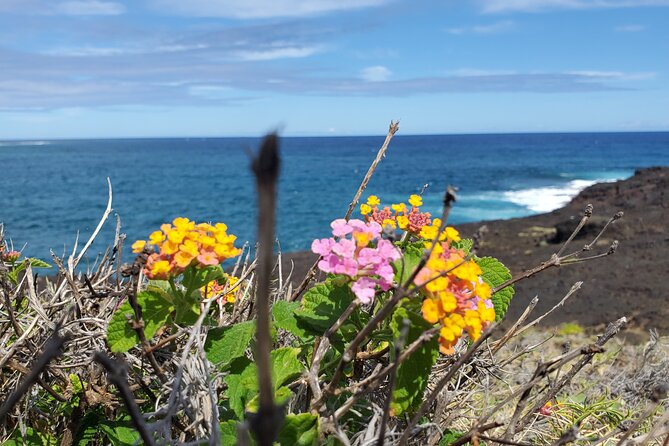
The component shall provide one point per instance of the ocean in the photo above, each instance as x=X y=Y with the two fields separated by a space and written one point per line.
x=52 y=190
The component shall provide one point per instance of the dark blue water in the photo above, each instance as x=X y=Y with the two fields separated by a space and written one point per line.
x=49 y=190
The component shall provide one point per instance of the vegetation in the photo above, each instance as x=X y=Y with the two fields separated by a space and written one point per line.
x=401 y=342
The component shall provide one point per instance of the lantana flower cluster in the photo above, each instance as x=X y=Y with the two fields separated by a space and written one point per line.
x=455 y=294
x=184 y=243
x=357 y=251
x=409 y=219
x=9 y=256
x=223 y=287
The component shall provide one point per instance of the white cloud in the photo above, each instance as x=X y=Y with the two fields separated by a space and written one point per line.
x=377 y=73
x=277 y=53
x=256 y=9
x=92 y=7
x=630 y=28
x=492 y=6
x=613 y=75
x=493 y=28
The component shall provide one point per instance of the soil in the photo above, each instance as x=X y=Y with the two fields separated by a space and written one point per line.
x=630 y=283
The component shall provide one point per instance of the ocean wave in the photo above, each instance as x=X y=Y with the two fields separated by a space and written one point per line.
x=546 y=199
x=24 y=143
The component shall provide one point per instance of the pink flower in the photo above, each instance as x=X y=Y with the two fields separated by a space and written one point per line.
x=208 y=258
x=359 y=253
x=363 y=288
x=340 y=227
x=322 y=246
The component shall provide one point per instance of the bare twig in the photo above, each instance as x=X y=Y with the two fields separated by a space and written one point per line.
x=117 y=375
x=394 y=127
x=267 y=421
x=52 y=349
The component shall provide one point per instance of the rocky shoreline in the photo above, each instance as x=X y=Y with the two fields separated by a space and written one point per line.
x=630 y=283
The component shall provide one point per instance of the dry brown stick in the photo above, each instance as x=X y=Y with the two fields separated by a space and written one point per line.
x=267 y=422
x=14 y=364
x=117 y=376
x=657 y=396
x=502 y=441
x=556 y=260
x=495 y=346
x=399 y=345
x=323 y=346
x=394 y=127
x=575 y=287
x=611 y=330
x=475 y=433
x=443 y=381
x=52 y=349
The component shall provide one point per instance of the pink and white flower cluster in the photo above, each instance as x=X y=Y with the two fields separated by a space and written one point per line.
x=358 y=251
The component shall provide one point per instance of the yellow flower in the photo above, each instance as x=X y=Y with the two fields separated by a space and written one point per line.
x=176 y=235
x=373 y=200
x=169 y=248
x=189 y=247
x=183 y=224
x=157 y=237
x=161 y=267
x=365 y=209
x=431 y=311
x=138 y=246
x=183 y=259
x=402 y=221
x=389 y=222
x=452 y=234
x=399 y=208
x=415 y=200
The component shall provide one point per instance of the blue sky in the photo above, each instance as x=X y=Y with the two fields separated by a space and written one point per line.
x=98 y=68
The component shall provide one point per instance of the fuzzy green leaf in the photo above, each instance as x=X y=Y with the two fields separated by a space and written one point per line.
x=283 y=313
x=121 y=337
x=299 y=430
x=228 y=431
x=120 y=433
x=464 y=244
x=196 y=278
x=322 y=305
x=495 y=274
x=225 y=344
x=405 y=265
x=412 y=374
x=285 y=365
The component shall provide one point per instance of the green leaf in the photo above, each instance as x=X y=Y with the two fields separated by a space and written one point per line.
x=405 y=265
x=196 y=278
x=285 y=365
x=187 y=311
x=228 y=433
x=299 y=430
x=413 y=373
x=449 y=437
x=242 y=381
x=37 y=263
x=242 y=385
x=284 y=317
x=120 y=433
x=464 y=244
x=121 y=337
x=155 y=311
x=322 y=305
x=32 y=437
x=225 y=344
x=494 y=273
